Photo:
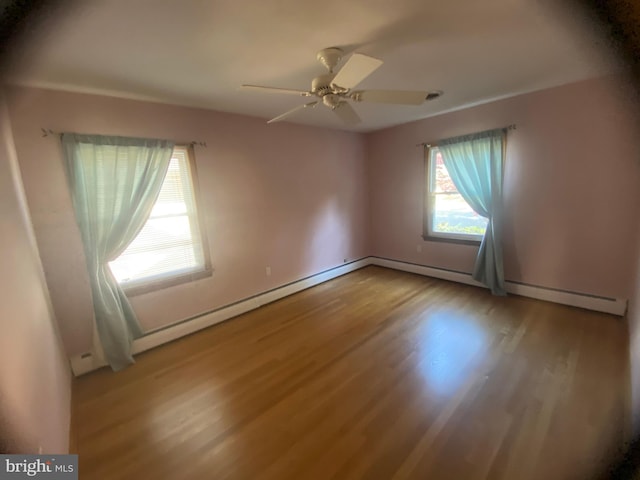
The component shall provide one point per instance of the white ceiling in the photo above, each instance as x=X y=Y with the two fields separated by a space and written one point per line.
x=197 y=52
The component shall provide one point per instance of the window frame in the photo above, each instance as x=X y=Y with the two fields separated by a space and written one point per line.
x=429 y=207
x=142 y=286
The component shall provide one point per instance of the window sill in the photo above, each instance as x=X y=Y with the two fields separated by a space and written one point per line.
x=459 y=241
x=153 y=285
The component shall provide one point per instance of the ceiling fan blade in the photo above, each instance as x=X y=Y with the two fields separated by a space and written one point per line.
x=292 y=111
x=400 y=97
x=347 y=114
x=357 y=68
x=288 y=91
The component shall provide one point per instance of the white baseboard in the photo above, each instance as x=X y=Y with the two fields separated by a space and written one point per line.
x=426 y=271
x=88 y=362
x=614 y=306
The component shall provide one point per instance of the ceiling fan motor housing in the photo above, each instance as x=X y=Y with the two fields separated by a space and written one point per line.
x=321 y=85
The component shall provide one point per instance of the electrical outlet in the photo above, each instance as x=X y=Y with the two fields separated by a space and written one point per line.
x=39 y=449
x=345 y=260
x=268 y=271
x=419 y=249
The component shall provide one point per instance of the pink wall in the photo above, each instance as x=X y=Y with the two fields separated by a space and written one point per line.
x=571 y=188
x=286 y=196
x=35 y=383
x=301 y=199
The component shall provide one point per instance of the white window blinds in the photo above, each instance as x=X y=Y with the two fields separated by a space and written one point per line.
x=170 y=243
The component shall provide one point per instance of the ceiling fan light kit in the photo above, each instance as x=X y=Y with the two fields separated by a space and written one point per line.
x=336 y=89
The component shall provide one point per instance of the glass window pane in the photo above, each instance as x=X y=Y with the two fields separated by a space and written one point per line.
x=170 y=242
x=171 y=198
x=440 y=179
x=164 y=245
x=452 y=214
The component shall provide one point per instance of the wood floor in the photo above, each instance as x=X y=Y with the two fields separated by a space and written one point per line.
x=378 y=374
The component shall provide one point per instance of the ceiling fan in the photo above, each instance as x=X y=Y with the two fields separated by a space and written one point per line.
x=335 y=89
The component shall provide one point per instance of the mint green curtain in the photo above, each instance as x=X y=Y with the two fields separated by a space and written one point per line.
x=114 y=183
x=475 y=163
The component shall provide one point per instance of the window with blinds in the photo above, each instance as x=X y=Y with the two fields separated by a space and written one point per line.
x=170 y=244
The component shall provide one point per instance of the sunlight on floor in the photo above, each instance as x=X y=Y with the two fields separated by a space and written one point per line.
x=449 y=342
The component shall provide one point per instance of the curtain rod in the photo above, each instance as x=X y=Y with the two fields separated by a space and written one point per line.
x=428 y=144
x=47 y=132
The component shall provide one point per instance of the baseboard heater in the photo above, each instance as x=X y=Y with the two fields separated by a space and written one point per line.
x=88 y=362
x=614 y=306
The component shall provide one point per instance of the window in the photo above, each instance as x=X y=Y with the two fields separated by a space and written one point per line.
x=448 y=215
x=170 y=248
